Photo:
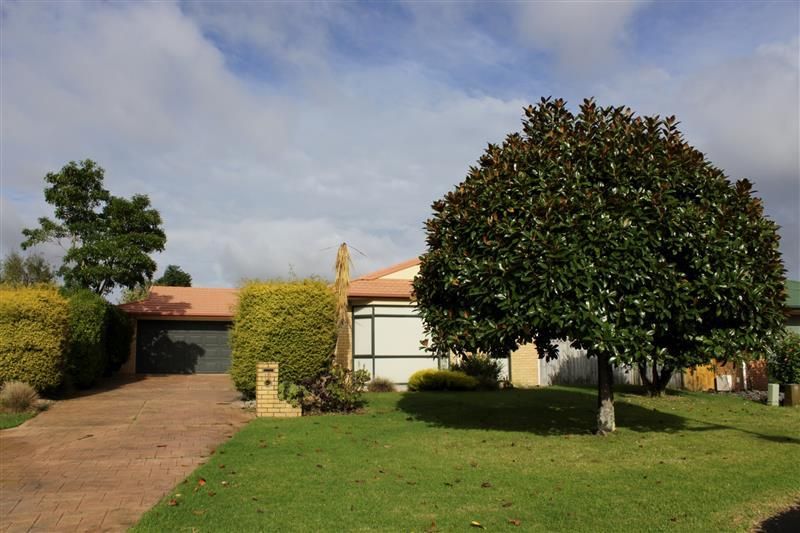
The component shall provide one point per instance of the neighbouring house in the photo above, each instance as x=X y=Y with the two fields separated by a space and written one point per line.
x=793 y=306
x=185 y=330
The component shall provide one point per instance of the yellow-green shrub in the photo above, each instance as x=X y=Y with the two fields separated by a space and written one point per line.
x=33 y=336
x=432 y=379
x=86 y=355
x=288 y=322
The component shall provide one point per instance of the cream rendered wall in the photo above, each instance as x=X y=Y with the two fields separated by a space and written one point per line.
x=406 y=273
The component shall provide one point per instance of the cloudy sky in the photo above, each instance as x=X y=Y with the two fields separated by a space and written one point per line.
x=267 y=133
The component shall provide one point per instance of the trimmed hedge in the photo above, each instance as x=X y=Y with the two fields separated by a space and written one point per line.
x=431 y=379
x=288 y=322
x=119 y=334
x=34 y=326
x=86 y=356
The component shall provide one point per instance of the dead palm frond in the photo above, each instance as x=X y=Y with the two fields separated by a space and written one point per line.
x=341 y=284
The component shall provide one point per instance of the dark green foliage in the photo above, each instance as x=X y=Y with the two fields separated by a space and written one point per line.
x=433 y=380
x=338 y=390
x=606 y=229
x=28 y=271
x=291 y=323
x=109 y=238
x=86 y=354
x=381 y=385
x=119 y=334
x=174 y=276
x=34 y=326
x=485 y=369
x=784 y=362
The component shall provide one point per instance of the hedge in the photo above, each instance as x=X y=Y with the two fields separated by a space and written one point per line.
x=784 y=363
x=431 y=379
x=86 y=354
x=288 y=322
x=34 y=326
x=119 y=334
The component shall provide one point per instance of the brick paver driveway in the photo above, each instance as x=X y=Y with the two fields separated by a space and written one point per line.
x=97 y=462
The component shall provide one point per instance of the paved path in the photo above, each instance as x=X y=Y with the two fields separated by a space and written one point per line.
x=98 y=461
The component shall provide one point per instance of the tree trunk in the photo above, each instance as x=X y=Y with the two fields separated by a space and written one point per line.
x=605 y=395
x=656 y=384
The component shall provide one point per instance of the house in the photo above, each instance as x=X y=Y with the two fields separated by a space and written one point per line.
x=793 y=306
x=185 y=330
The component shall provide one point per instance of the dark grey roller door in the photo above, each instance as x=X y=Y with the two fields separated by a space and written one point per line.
x=182 y=347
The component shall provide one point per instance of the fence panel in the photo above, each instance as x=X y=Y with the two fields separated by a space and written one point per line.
x=573 y=368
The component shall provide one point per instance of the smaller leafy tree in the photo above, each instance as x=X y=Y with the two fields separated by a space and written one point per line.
x=108 y=239
x=174 y=276
x=784 y=362
x=27 y=271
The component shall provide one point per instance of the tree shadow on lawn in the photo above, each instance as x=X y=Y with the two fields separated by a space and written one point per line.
x=546 y=411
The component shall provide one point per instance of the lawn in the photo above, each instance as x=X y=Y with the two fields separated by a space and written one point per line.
x=10 y=420
x=521 y=459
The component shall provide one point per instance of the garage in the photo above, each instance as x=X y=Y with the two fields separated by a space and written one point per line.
x=181 y=330
x=182 y=347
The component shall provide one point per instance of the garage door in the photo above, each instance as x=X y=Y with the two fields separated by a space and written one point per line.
x=386 y=342
x=178 y=347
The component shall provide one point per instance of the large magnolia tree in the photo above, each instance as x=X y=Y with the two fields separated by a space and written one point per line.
x=609 y=230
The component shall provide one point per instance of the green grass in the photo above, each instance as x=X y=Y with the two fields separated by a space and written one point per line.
x=10 y=420
x=437 y=461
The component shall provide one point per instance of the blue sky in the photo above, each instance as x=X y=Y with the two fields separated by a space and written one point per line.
x=267 y=133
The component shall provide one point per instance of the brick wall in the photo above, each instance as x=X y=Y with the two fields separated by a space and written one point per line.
x=267 y=402
x=525 y=366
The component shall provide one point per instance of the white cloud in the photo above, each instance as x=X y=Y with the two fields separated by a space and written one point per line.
x=248 y=178
x=584 y=35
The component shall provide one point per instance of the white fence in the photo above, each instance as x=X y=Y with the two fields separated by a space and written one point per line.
x=573 y=368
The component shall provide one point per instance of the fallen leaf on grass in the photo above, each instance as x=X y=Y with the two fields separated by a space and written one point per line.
x=198 y=512
x=508 y=504
x=432 y=527
x=476 y=524
x=212 y=493
x=486 y=485
x=225 y=483
x=514 y=521
x=201 y=482
x=173 y=502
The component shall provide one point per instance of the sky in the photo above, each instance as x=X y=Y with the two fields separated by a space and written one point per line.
x=268 y=133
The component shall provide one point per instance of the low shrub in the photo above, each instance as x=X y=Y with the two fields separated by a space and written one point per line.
x=337 y=391
x=481 y=367
x=33 y=336
x=18 y=397
x=381 y=385
x=86 y=356
x=432 y=380
x=119 y=334
x=291 y=323
x=784 y=363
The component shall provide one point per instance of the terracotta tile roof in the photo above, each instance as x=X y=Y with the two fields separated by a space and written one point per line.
x=390 y=270
x=185 y=301
x=380 y=288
